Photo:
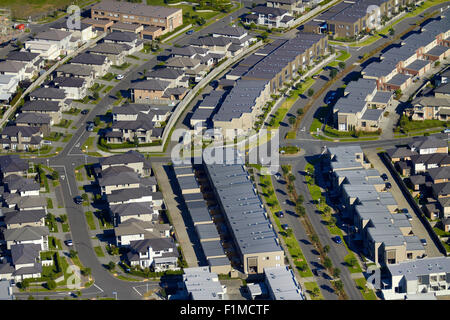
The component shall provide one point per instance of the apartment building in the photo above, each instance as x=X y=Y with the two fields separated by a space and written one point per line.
x=246 y=219
x=385 y=235
x=424 y=277
x=162 y=19
x=281 y=284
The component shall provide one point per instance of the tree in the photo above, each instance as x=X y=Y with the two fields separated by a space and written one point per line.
x=63 y=218
x=326 y=249
x=95 y=95
x=333 y=220
x=291 y=120
x=310 y=92
x=285 y=169
x=86 y=272
x=85 y=197
x=327 y=263
x=352 y=262
x=51 y=285
x=314 y=238
x=73 y=254
x=336 y=272
x=327 y=210
x=264 y=35
x=300 y=210
x=299 y=111
x=391 y=31
x=97 y=121
x=111 y=265
x=291 y=178
x=55 y=175
x=315 y=292
x=333 y=73
x=341 y=65
x=339 y=286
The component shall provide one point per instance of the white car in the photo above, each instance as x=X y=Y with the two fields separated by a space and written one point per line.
x=120 y=77
x=47 y=142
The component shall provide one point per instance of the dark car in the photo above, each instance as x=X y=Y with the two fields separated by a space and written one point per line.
x=388 y=185
x=423 y=241
x=78 y=200
x=68 y=243
x=90 y=126
x=85 y=111
x=190 y=32
x=285 y=226
x=280 y=214
x=337 y=239
x=384 y=177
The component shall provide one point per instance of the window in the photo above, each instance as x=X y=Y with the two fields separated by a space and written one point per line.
x=277 y=258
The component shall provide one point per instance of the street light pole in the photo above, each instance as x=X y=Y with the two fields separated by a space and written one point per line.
x=115 y=294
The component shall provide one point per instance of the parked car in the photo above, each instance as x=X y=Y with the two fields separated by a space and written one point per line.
x=78 y=200
x=316 y=76
x=120 y=77
x=68 y=243
x=47 y=142
x=384 y=177
x=404 y=210
x=408 y=216
x=90 y=126
x=85 y=111
x=388 y=185
x=190 y=32
x=424 y=241
x=447 y=131
x=337 y=239
x=280 y=214
x=285 y=226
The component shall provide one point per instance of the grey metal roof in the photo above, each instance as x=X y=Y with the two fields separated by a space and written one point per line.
x=131 y=156
x=41 y=105
x=413 y=269
x=6 y=292
x=188 y=182
x=201 y=284
x=48 y=93
x=128 y=194
x=198 y=212
x=399 y=79
x=118 y=36
x=382 y=97
x=372 y=114
x=26 y=233
x=25 y=253
x=212 y=249
x=139 y=9
x=417 y=64
x=282 y=283
x=207 y=231
x=12 y=163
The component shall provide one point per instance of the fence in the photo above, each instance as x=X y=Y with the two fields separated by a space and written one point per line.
x=413 y=203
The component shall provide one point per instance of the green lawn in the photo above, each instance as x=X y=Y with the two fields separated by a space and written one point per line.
x=99 y=251
x=88 y=144
x=344 y=55
x=49 y=203
x=367 y=293
x=73 y=111
x=410 y=126
x=54 y=244
x=289 y=238
x=109 y=76
x=123 y=66
x=54 y=136
x=309 y=286
x=67 y=137
x=65 y=227
x=90 y=220
x=107 y=89
x=64 y=123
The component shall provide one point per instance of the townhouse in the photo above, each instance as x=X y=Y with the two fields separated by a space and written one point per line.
x=211 y=242
x=290 y=5
x=384 y=234
x=74 y=88
x=132 y=159
x=418 y=278
x=432 y=106
x=8 y=87
x=175 y=76
x=256 y=242
x=125 y=38
x=201 y=283
x=18 y=69
x=52 y=38
x=82 y=32
x=116 y=52
x=12 y=165
x=35 y=120
x=76 y=71
x=162 y=19
x=349 y=19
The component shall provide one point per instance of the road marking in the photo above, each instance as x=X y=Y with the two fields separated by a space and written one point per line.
x=137 y=291
x=98 y=287
x=65 y=174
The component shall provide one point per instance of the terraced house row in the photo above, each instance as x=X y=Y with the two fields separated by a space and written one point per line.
x=348 y=19
x=365 y=99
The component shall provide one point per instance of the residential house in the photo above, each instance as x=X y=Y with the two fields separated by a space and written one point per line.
x=141 y=211
x=21 y=138
x=13 y=164
x=53 y=109
x=131 y=159
x=115 y=52
x=135 y=229
x=8 y=87
x=33 y=60
x=16 y=68
x=98 y=62
x=75 y=88
x=159 y=254
x=18 y=219
x=60 y=38
x=48 y=94
x=125 y=38
x=272 y=17
x=23 y=263
x=175 y=76
x=77 y=71
x=200 y=283
x=26 y=235
x=35 y=120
